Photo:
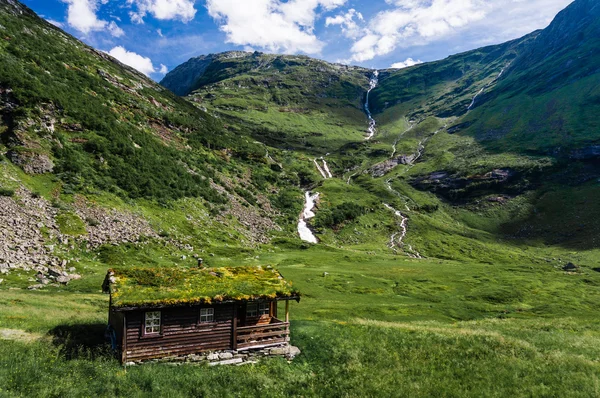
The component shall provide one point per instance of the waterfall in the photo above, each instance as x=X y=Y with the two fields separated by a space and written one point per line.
x=372 y=124
x=305 y=233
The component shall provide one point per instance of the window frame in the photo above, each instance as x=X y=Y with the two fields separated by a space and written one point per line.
x=266 y=310
x=211 y=313
x=252 y=313
x=261 y=308
x=145 y=332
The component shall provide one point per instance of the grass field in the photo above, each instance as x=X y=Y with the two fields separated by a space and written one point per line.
x=374 y=325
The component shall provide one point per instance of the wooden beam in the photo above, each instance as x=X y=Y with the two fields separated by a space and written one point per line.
x=234 y=335
x=287 y=311
x=124 y=341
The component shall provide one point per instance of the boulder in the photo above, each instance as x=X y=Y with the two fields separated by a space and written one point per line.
x=570 y=267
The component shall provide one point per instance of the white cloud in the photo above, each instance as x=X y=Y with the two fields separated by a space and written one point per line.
x=136 y=61
x=163 y=69
x=409 y=62
x=271 y=24
x=415 y=21
x=114 y=29
x=182 y=10
x=81 y=15
x=350 y=27
x=408 y=23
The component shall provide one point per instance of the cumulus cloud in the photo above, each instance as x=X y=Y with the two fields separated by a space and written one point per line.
x=81 y=15
x=136 y=61
x=350 y=27
x=415 y=21
x=182 y=10
x=271 y=24
x=409 y=62
x=163 y=69
x=409 y=23
x=114 y=29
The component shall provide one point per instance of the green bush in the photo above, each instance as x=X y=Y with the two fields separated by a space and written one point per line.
x=347 y=211
x=7 y=192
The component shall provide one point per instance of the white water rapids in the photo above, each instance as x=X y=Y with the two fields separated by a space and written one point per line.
x=324 y=171
x=329 y=175
x=372 y=124
x=305 y=233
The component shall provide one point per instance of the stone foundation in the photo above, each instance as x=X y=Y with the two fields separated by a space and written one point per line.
x=229 y=357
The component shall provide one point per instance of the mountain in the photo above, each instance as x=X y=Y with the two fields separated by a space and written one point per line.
x=492 y=124
x=289 y=102
x=85 y=134
x=549 y=95
x=457 y=248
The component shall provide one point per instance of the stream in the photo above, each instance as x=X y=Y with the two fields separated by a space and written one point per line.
x=372 y=124
x=483 y=89
x=324 y=171
x=305 y=233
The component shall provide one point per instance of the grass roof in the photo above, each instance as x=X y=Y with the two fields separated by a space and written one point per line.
x=148 y=287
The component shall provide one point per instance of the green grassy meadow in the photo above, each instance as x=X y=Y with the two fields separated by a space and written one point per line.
x=368 y=325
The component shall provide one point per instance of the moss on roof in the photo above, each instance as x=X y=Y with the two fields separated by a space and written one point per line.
x=147 y=287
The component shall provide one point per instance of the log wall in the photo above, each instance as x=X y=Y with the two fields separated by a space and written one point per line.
x=181 y=333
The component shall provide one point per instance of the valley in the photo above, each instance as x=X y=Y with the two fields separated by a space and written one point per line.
x=440 y=221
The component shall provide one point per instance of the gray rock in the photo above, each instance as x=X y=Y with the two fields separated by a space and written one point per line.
x=570 y=267
x=212 y=356
x=293 y=351
x=227 y=362
x=225 y=355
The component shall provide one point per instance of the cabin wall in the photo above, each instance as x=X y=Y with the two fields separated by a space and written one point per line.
x=182 y=333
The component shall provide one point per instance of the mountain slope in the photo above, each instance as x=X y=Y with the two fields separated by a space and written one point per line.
x=549 y=97
x=289 y=102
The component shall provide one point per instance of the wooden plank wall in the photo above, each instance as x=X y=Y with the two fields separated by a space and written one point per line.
x=182 y=334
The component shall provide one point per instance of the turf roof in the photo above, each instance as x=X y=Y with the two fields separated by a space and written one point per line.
x=148 y=287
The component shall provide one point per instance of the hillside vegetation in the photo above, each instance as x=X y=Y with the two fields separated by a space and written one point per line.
x=458 y=248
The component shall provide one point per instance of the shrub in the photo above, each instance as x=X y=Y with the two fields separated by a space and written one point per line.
x=7 y=192
x=346 y=211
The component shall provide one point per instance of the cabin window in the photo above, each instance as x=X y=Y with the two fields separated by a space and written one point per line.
x=257 y=309
x=263 y=308
x=251 y=310
x=207 y=315
x=152 y=323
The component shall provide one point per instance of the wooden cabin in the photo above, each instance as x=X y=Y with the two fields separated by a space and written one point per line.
x=168 y=312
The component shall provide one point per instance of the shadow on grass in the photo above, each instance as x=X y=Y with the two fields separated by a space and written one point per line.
x=82 y=341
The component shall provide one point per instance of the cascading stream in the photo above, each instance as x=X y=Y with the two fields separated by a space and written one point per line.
x=307 y=213
x=372 y=123
x=324 y=171
x=483 y=89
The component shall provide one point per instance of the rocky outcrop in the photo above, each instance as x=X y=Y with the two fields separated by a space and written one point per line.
x=257 y=223
x=455 y=187
x=381 y=169
x=31 y=238
x=31 y=162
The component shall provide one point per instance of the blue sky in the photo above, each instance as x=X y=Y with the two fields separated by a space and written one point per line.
x=155 y=36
